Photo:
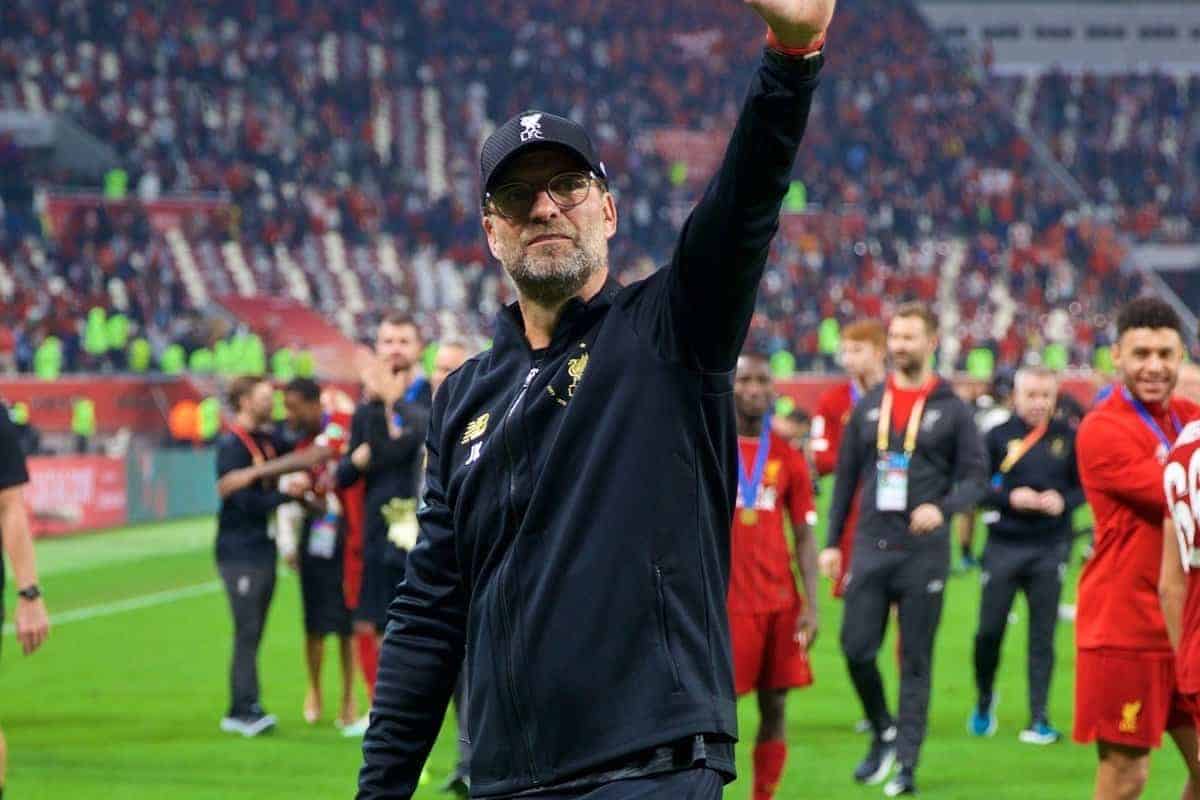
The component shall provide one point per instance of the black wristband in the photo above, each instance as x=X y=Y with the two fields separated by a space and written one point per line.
x=31 y=592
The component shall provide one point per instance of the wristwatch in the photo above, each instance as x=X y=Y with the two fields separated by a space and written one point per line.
x=31 y=592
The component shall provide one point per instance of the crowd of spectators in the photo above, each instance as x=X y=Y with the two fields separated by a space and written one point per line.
x=366 y=118
x=1133 y=141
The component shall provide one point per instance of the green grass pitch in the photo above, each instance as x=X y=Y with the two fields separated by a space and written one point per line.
x=124 y=700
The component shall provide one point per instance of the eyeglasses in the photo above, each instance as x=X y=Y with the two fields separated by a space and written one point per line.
x=515 y=200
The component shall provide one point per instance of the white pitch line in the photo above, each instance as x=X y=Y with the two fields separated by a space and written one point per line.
x=130 y=604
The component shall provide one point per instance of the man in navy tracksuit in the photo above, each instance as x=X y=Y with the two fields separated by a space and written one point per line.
x=581 y=476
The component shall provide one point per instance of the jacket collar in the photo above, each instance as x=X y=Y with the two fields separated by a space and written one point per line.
x=576 y=318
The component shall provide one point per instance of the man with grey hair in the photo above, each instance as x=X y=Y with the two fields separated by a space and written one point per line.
x=575 y=525
x=1035 y=487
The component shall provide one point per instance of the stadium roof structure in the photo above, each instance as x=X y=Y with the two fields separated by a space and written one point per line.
x=59 y=143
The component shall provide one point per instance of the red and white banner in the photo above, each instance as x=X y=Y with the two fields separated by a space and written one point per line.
x=68 y=494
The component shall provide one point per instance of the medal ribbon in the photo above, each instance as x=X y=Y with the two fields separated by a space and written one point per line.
x=1149 y=420
x=748 y=485
x=257 y=456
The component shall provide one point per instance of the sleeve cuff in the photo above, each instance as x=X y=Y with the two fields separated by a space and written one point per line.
x=811 y=50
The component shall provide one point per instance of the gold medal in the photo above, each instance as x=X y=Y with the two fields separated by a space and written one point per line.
x=749 y=516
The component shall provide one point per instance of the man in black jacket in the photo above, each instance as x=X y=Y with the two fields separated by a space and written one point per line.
x=1035 y=487
x=386 y=434
x=581 y=476
x=913 y=447
x=246 y=551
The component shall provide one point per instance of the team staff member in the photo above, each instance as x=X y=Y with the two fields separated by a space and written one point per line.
x=1035 y=487
x=581 y=478
x=1125 y=691
x=385 y=455
x=319 y=555
x=32 y=622
x=863 y=346
x=246 y=552
x=1179 y=576
x=771 y=626
x=912 y=446
x=385 y=449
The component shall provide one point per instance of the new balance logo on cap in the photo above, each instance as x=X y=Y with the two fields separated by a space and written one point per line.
x=531 y=127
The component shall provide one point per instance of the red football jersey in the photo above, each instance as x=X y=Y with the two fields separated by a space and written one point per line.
x=1181 y=480
x=833 y=412
x=1121 y=465
x=761 y=579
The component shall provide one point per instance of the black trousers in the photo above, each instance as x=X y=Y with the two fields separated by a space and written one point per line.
x=698 y=783
x=1035 y=568
x=249 y=588
x=915 y=581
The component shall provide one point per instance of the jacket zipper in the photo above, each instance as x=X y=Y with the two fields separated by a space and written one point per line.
x=662 y=624
x=509 y=625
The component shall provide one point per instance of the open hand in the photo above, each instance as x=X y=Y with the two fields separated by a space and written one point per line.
x=807 y=627
x=829 y=561
x=33 y=624
x=1052 y=503
x=1025 y=499
x=926 y=518
x=796 y=23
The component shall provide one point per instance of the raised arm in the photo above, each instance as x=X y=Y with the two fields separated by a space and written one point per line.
x=422 y=648
x=722 y=249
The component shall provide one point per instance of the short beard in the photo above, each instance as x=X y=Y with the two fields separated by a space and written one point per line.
x=551 y=284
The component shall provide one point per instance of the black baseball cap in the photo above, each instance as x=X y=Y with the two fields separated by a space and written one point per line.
x=531 y=129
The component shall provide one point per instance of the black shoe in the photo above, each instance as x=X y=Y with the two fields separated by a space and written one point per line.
x=903 y=784
x=880 y=758
x=458 y=784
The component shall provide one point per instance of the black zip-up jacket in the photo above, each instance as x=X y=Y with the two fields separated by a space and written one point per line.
x=1050 y=464
x=948 y=469
x=245 y=515
x=575 y=522
x=394 y=469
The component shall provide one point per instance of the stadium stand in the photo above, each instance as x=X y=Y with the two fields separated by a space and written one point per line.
x=331 y=159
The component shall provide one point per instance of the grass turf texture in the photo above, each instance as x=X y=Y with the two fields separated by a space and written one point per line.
x=126 y=705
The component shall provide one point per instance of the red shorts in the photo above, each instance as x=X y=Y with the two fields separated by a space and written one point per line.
x=766 y=654
x=1128 y=698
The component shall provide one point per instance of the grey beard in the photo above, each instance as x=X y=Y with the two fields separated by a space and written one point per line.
x=559 y=285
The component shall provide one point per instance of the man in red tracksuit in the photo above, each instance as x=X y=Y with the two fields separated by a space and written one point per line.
x=771 y=626
x=862 y=353
x=1179 y=580
x=1126 y=695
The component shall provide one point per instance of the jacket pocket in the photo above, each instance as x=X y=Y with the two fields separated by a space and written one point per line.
x=664 y=631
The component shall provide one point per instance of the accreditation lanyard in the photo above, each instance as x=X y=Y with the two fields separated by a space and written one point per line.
x=749 y=484
x=855 y=393
x=891 y=473
x=1152 y=424
x=257 y=454
x=1015 y=454
x=884 y=431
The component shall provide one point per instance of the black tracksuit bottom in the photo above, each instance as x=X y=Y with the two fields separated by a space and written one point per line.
x=249 y=587
x=1036 y=568
x=915 y=581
